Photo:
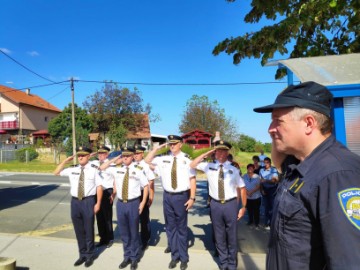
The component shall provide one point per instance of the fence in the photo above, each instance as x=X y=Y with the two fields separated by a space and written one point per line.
x=7 y=151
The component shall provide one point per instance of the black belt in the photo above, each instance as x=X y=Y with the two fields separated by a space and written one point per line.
x=223 y=201
x=76 y=198
x=130 y=200
x=178 y=193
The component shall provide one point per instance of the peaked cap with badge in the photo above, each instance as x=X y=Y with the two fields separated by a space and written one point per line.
x=309 y=95
x=83 y=150
x=103 y=149
x=222 y=145
x=174 y=139
x=127 y=151
x=139 y=149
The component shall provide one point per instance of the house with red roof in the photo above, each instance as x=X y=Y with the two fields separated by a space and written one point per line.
x=23 y=113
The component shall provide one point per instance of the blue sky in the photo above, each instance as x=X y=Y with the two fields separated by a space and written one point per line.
x=160 y=41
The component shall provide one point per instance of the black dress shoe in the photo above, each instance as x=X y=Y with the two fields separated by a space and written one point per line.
x=79 y=261
x=183 y=265
x=89 y=262
x=167 y=250
x=134 y=265
x=173 y=264
x=124 y=263
x=100 y=244
x=109 y=244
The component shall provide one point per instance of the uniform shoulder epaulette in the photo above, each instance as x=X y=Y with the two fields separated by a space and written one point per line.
x=187 y=156
x=94 y=166
x=119 y=165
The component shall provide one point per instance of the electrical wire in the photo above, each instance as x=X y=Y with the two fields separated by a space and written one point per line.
x=28 y=69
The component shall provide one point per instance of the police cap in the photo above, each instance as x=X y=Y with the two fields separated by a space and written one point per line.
x=83 y=150
x=174 y=139
x=309 y=95
x=222 y=145
x=127 y=151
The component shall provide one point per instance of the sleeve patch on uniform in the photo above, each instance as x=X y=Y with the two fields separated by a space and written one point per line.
x=349 y=200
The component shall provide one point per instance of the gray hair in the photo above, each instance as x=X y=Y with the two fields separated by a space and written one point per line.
x=325 y=123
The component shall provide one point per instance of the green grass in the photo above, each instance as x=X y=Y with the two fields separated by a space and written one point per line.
x=44 y=165
x=34 y=166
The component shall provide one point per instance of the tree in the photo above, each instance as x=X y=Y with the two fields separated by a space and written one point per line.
x=246 y=143
x=60 y=128
x=317 y=27
x=202 y=114
x=113 y=106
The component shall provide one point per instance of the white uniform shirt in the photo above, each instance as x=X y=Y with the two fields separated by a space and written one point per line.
x=137 y=179
x=91 y=180
x=183 y=171
x=146 y=168
x=232 y=178
x=107 y=178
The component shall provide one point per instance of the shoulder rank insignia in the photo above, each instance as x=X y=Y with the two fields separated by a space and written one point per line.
x=138 y=167
x=349 y=200
x=94 y=166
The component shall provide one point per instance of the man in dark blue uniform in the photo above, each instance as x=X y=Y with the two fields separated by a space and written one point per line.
x=316 y=216
x=84 y=186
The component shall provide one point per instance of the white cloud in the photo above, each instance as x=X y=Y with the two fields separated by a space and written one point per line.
x=33 y=53
x=9 y=82
x=7 y=51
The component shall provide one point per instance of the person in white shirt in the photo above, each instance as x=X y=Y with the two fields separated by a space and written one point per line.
x=226 y=187
x=85 y=186
x=179 y=184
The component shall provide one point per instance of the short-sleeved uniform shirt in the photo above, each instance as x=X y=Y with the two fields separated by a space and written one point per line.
x=137 y=180
x=268 y=174
x=107 y=178
x=184 y=172
x=232 y=178
x=316 y=217
x=91 y=179
x=251 y=183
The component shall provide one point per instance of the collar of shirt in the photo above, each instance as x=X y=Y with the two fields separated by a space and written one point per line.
x=303 y=167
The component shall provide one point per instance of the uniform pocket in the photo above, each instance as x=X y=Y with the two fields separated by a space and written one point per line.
x=289 y=205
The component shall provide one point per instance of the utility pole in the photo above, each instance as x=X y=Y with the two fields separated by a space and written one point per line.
x=73 y=119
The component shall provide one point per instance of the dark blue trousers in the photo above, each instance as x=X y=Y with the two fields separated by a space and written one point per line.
x=83 y=218
x=176 y=216
x=104 y=218
x=224 y=221
x=145 y=227
x=268 y=201
x=128 y=221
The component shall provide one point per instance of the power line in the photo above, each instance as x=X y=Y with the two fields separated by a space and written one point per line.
x=28 y=69
x=181 y=84
x=31 y=87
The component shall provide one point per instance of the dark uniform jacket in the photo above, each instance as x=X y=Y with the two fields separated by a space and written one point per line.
x=316 y=217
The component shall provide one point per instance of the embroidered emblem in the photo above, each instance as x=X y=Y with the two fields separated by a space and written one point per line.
x=230 y=171
x=349 y=200
x=133 y=173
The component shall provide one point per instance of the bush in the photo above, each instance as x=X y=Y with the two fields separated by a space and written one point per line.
x=21 y=154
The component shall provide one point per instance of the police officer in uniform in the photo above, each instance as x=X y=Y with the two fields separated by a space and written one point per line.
x=128 y=182
x=316 y=217
x=85 y=186
x=104 y=217
x=225 y=189
x=145 y=227
x=179 y=184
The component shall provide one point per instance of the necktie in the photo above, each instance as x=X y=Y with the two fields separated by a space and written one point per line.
x=173 y=175
x=81 y=184
x=125 y=186
x=221 y=184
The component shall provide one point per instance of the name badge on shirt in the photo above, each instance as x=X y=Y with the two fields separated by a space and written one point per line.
x=166 y=161
x=213 y=169
x=75 y=173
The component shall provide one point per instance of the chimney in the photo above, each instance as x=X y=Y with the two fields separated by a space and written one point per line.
x=28 y=91
x=217 y=136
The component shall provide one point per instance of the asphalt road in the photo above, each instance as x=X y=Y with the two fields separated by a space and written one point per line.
x=39 y=205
